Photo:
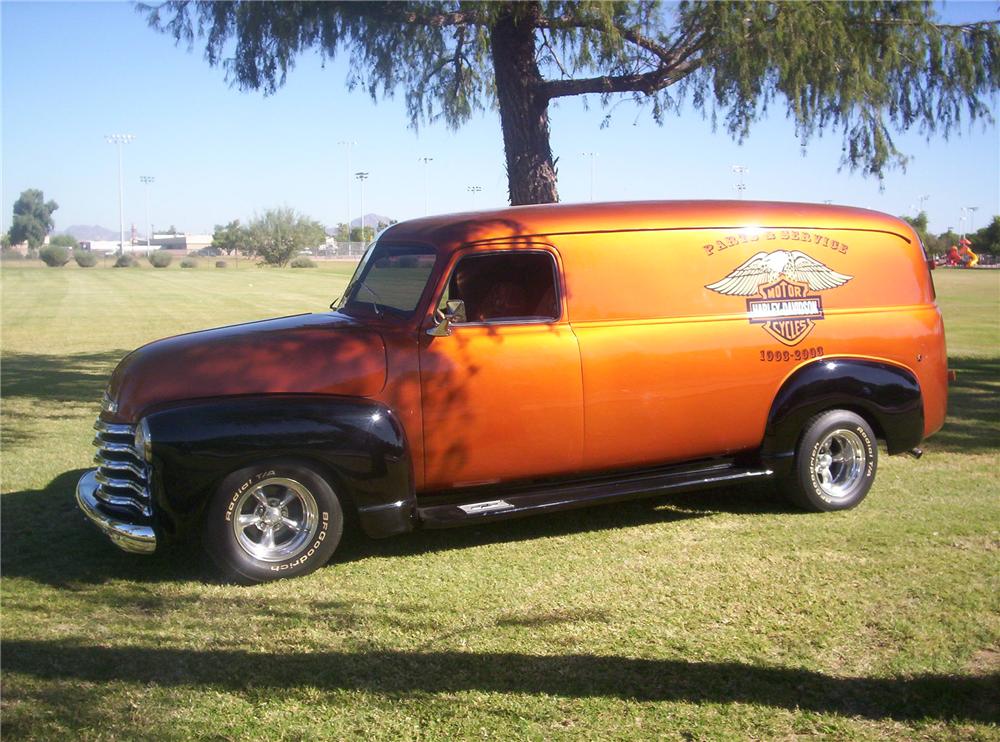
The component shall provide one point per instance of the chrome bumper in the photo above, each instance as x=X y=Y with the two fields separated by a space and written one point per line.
x=137 y=539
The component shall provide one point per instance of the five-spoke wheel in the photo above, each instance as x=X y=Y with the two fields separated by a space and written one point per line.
x=275 y=518
x=279 y=519
x=835 y=462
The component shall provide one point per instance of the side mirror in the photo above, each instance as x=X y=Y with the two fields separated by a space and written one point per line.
x=454 y=311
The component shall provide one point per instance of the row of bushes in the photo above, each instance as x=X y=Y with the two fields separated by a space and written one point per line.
x=159 y=259
x=56 y=256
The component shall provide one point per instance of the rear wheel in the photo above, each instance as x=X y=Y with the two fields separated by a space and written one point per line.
x=279 y=519
x=835 y=462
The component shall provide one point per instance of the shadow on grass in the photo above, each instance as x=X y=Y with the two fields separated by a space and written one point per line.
x=75 y=377
x=756 y=498
x=47 y=539
x=45 y=384
x=973 y=423
x=928 y=696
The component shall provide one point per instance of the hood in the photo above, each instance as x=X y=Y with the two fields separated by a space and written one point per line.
x=302 y=354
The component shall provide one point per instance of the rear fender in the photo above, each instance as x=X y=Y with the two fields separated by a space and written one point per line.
x=887 y=396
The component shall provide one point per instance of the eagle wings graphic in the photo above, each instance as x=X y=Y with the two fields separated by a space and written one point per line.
x=764 y=267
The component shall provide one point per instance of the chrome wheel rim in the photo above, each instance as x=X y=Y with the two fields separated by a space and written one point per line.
x=275 y=519
x=839 y=463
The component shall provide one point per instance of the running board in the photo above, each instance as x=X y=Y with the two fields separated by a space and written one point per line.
x=484 y=504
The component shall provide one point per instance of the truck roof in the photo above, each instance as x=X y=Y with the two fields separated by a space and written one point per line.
x=449 y=231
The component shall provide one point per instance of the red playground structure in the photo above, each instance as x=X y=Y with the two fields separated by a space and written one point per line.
x=961 y=255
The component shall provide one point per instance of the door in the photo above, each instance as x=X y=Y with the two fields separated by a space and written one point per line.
x=502 y=394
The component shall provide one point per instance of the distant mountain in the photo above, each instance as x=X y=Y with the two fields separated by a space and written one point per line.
x=93 y=232
x=371 y=220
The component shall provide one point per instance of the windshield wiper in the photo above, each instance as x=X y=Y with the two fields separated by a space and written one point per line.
x=370 y=290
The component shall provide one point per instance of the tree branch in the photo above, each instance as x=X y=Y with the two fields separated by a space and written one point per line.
x=647 y=82
x=675 y=62
x=634 y=37
x=458 y=18
x=552 y=53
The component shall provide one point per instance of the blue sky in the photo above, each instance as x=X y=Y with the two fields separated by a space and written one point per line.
x=73 y=72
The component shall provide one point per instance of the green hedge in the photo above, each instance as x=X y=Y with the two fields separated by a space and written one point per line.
x=85 y=258
x=160 y=258
x=54 y=256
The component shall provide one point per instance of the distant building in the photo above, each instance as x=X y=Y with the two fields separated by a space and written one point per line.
x=102 y=246
x=187 y=243
x=182 y=243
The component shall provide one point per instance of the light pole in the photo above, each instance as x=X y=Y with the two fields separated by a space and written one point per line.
x=347 y=144
x=592 y=156
x=740 y=171
x=120 y=140
x=922 y=199
x=362 y=176
x=147 y=179
x=426 y=161
x=475 y=191
x=972 y=218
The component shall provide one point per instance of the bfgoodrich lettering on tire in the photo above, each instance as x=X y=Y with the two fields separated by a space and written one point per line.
x=835 y=462
x=278 y=519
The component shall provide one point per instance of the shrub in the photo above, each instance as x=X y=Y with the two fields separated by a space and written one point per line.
x=160 y=258
x=85 y=258
x=189 y=263
x=126 y=261
x=220 y=263
x=302 y=262
x=54 y=256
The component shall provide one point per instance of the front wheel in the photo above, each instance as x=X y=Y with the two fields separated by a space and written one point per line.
x=275 y=520
x=835 y=462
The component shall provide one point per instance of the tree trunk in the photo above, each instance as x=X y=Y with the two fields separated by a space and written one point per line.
x=524 y=115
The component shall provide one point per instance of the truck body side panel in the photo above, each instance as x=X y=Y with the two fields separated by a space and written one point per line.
x=686 y=336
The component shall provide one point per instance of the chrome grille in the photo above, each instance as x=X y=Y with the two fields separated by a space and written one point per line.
x=122 y=474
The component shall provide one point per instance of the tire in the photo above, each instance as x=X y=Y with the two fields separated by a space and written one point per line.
x=273 y=520
x=835 y=463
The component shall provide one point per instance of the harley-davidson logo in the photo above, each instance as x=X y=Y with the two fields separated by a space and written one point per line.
x=779 y=284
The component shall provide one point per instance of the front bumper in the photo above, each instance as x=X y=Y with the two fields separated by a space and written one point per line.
x=131 y=537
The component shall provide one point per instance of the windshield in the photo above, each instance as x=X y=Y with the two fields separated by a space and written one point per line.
x=389 y=280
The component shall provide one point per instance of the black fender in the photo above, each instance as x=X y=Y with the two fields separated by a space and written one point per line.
x=358 y=444
x=887 y=396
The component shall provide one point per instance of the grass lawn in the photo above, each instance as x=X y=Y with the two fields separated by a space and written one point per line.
x=705 y=616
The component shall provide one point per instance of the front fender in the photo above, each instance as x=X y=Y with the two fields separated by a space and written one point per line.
x=887 y=396
x=357 y=443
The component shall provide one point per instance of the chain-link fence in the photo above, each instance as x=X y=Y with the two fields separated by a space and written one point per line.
x=334 y=249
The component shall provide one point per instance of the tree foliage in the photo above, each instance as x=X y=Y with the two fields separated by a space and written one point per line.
x=230 y=238
x=32 y=218
x=987 y=239
x=279 y=234
x=362 y=234
x=66 y=240
x=865 y=69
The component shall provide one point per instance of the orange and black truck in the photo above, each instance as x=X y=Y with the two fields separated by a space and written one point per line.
x=496 y=364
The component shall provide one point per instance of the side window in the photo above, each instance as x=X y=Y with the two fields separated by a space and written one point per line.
x=506 y=286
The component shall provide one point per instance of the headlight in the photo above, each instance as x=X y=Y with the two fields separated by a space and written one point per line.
x=108 y=405
x=143 y=443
